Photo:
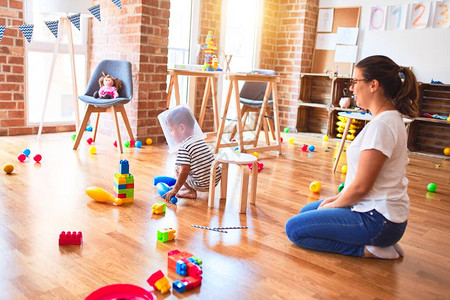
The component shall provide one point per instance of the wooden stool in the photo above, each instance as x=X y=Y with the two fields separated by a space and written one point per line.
x=242 y=160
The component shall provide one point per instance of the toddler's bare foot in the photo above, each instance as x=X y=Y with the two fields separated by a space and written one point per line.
x=185 y=193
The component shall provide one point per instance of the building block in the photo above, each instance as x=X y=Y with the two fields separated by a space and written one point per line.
x=127 y=200
x=181 y=268
x=186 y=284
x=159 y=208
x=124 y=167
x=68 y=238
x=167 y=234
x=159 y=282
x=170 y=181
x=174 y=256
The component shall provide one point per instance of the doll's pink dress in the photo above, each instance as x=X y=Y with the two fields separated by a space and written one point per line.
x=107 y=90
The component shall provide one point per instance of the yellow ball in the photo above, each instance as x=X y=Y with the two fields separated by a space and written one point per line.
x=447 y=151
x=8 y=168
x=291 y=141
x=315 y=186
x=92 y=150
x=344 y=169
x=148 y=141
x=256 y=154
x=325 y=138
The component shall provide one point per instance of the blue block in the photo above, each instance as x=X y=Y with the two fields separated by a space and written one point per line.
x=181 y=268
x=124 y=167
x=162 y=189
x=120 y=186
x=170 y=181
x=179 y=286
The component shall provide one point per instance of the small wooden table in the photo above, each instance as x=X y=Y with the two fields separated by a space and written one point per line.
x=272 y=81
x=211 y=79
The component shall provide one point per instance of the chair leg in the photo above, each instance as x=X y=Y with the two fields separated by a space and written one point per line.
x=224 y=181
x=119 y=141
x=244 y=189
x=96 y=127
x=272 y=127
x=244 y=112
x=254 y=183
x=212 y=185
x=126 y=121
x=82 y=128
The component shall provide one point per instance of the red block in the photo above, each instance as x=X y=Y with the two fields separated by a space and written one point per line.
x=174 y=256
x=154 y=278
x=130 y=186
x=70 y=238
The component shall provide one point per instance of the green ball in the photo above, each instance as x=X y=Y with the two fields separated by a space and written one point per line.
x=127 y=144
x=74 y=137
x=286 y=129
x=340 y=187
x=432 y=187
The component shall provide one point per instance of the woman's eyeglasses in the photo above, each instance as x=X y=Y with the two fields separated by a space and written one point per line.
x=355 y=81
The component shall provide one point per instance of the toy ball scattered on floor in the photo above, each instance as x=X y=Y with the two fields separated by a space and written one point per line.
x=132 y=143
x=27 y=152
x=311 y=148
x=315 y=186
x=304 y=148
x=281 y=139
x=89 y=128
x=37 y=158
x=115 y=143
x=286 y=129
x=344 y=169
x=447 y=151
x=74 y=136
x=340 y=187
x=325 y=138
x=236 y=148
x=8 y=168
x=138 y=144
x=291 y=141
x=92 y=150
x=432 y=187
x=255 y=154
x=148 y=141
x=127 y=144
x=21 y=157
x=89 y=141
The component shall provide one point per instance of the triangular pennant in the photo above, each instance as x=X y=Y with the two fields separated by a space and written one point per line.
x=75 y=19
x=2 y=29
x=27 y=31
x=53 y=26
x=118 y=3
x=95 y=10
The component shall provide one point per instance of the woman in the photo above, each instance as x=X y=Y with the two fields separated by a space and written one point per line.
x=369 y=216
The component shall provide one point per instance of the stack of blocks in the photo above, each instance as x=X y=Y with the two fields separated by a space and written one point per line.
x=185 y=264
x=159 y=282
x=209 y=48
x=124 y=183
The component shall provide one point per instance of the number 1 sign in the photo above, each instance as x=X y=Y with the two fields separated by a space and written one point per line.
x=397 y=17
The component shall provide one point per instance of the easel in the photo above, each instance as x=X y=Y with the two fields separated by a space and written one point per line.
x=62 y=23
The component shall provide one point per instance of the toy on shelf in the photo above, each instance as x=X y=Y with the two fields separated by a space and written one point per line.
x=159 y=208
x=70 y=238
x=185 y=264
x=100 y=195
x=209 y=46
x=124 y=183
x=8 y=168
x=159 y=282
x=315 y=186
x=166 y=234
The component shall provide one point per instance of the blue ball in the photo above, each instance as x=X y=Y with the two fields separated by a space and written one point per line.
x=26 y=152
x=89 y=128
x=138 y=144
x=311 y=148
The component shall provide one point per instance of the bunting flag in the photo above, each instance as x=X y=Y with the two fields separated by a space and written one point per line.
x=95 y=10
x=53 y=26
x=118 y=3
x=75 y=19
x=2 y=29
x=27 y=31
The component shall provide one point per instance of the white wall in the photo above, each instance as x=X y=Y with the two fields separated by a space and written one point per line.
x=426 y=50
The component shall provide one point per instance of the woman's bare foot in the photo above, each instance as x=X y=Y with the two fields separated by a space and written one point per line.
x=186 y=193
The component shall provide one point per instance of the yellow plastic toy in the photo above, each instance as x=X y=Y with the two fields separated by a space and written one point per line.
x=447 y=151
x=315 y=186
x=92 y=150
x=291 y=141
x=8 y=168
x=159 y=208
x=255 y=154
x=100 y=195
x=148 y=141
x=344 y=169
x=325 y=138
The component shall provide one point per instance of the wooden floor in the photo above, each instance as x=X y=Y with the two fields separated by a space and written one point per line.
x=38 y=201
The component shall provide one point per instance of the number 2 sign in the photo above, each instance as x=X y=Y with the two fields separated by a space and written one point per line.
x=420 y=13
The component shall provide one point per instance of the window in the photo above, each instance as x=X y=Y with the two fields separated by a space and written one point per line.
x=60 y=106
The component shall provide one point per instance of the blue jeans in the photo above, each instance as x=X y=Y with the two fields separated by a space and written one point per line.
x=341 y=230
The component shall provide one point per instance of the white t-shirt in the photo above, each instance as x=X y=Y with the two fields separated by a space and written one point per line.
x=386 y=133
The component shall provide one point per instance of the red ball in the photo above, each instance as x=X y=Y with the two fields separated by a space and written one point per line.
x=131 y=143
x=281 y=139
x=21 y=157
x=304 y=148
x=89 y=141
x=37 y=158
x=115 y=144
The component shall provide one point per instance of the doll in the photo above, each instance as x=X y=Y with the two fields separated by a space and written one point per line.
x=109 y=87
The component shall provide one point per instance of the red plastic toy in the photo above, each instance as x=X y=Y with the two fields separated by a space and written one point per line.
x=115 y=144
x=260 y=166
x=89 y=141
x=21 y=157
x=70 y=238
x=121 y=291
x=37 y=158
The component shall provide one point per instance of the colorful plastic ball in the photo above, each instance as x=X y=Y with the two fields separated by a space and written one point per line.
x=340 y=187
x=344 y=169
x=89 y=128
x=432 y=187
x=132 y=143
x=8 y=168
x=291 y=141
x=148 y=141
x=127 y=144
x=325 y=138
x=255 y=154
x=27 y=152
x=447 y=151
x=115 y=144
x=138 y=144
x=89 y=141
x=281 y=139
x=92 y=150
x=74 y=136
x=304 y=148
x=37 y=158
x=236 y=148
x=21 y=157
x=311 y=148
x=286 y=129
x=315 y=186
